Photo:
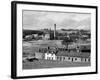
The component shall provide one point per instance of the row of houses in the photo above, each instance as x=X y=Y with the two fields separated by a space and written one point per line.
x=52 y=56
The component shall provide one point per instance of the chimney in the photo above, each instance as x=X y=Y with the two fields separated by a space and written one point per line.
x=50 y=33
x=54 y=31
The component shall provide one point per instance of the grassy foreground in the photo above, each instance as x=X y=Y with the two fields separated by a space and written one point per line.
x=52 y=64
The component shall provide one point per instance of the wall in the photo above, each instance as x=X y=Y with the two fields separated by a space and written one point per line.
x=5 y=40
x=38 y=55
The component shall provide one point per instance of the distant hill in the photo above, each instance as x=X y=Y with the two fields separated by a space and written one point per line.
x=69 y=29
x=43 y=31
x=29 y=32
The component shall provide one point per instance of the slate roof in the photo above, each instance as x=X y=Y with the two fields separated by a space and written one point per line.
x=73 y=54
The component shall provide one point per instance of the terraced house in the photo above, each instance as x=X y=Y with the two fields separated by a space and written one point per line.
x=64 y=56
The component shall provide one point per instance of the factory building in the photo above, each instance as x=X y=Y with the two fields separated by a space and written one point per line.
x=49 y=35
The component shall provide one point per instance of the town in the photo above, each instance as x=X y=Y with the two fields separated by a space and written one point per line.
x=69 y=45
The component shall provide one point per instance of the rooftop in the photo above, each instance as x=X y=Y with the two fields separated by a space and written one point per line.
x=73 y=54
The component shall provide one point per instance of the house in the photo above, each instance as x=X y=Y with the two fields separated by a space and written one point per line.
x=35 y=35
x=47 y=36
x=50 y=56
x=62 y=56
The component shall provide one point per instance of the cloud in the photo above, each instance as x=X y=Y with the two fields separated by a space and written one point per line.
x=41 y=19
x=84 y=24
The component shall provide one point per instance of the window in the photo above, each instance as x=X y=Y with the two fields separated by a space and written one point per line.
x=57 y=57
x=89 y=59
x=63 y=58
x=81 y=59
x=68 y=58
x=72 y=59
x=85 y=59
x=60 y=58
x=75 y=58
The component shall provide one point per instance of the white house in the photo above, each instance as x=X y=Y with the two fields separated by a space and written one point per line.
x=50 y=56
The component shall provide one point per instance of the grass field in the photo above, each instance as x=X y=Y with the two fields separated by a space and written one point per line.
x=33 y=46
x=52 y=64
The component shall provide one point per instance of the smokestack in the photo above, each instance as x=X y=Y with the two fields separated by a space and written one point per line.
x=50 y=33
x=54 y=31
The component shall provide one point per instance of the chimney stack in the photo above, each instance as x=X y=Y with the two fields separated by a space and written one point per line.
x=54 y=31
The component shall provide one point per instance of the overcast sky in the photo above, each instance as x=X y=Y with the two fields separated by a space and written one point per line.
x=42 y=19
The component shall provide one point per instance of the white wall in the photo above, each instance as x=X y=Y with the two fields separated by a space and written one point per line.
x=5 y=43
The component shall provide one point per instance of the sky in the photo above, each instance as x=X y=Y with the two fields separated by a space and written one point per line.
x=45 y=19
